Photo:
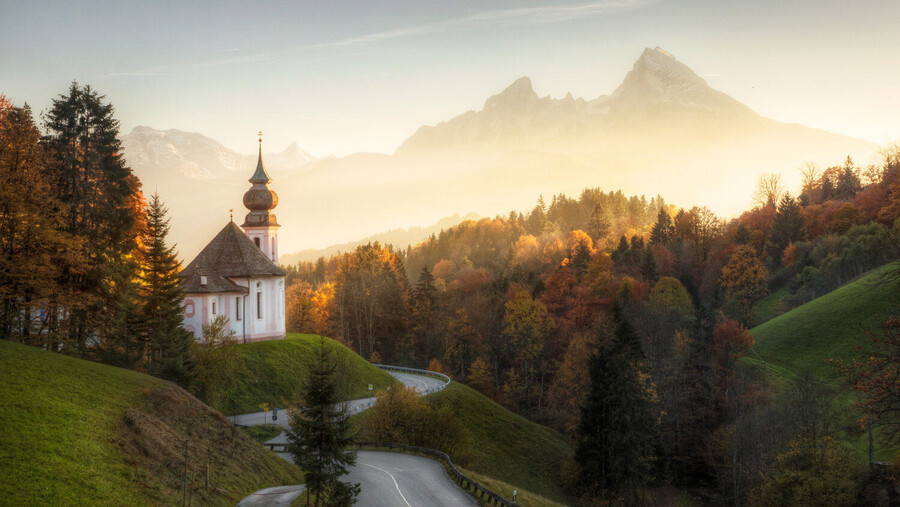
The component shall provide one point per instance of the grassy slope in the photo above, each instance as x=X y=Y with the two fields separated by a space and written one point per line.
x=76 y=432
x=828 y=327
x=274 y=370
x=508 y=447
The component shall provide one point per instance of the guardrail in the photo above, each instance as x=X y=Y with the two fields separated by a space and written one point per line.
x=460 y=478
x=416 y=371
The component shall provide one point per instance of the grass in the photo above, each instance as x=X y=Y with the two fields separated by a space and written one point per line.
x=82 y=433
x=829 y=327
x=771 y=306
x=523 y=498
x=505 y=446
x=272 y=372
x=263 y=432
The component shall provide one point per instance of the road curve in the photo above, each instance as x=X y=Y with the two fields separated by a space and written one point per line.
x=387 y=478
x=279 y=496
x=402 y=480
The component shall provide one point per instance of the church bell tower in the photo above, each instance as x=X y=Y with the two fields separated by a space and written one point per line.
x=260 y=224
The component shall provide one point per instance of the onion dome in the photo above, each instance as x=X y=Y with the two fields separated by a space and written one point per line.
x=260 y=199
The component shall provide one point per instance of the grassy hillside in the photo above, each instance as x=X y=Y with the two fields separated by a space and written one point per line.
x=81 y=433
x=804 y=338
x=272 y=371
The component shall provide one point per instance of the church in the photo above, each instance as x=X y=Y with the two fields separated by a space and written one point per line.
x=237 y=273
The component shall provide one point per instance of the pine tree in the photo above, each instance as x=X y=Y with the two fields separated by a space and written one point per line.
x=617 y=427
x=103 y=209
x=598 y=225
x=663 y=230
x=787 y=227
x=166 y=343
x=649 y=266
x=320 y=433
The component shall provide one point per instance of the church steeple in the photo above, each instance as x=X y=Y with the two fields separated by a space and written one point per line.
x=260 y=199
x=260 y=176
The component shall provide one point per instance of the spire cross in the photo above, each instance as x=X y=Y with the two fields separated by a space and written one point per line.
x=231 y=214
x=260 y=138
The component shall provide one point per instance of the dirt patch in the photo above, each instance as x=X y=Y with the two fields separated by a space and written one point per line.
x=153 y=437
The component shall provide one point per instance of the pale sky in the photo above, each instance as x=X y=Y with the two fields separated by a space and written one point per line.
x=343 y=76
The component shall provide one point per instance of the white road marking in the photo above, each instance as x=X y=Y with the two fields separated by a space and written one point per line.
x=393 y=479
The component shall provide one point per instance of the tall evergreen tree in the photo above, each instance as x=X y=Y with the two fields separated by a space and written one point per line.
x=167 y=344
x=320 y=433
x=663 y=230
x=649 y=266
x=617 y=427
x=787 y=227
x=102 y=203
x=598 y=225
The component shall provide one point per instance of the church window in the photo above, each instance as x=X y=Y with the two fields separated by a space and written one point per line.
x=256 y=240
x=202 y=279
x=213 y=307
x=237 y=308
x=189 y=309
x=259 y=310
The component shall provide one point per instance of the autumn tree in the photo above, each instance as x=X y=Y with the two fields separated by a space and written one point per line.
x=730 y=340
x=769 y=190
x=464 y=345
x=34 y=251
x=875 y=376
x=300 y=308
x=745 y=278
x=526 y=324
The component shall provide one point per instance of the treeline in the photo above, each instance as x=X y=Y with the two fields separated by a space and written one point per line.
x=84 y=265
x=533 y=309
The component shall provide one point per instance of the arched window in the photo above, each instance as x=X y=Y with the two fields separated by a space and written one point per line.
x=213 y=307
x=259 y=309
x=237 y=308
x=256 y=240
x=189 y=309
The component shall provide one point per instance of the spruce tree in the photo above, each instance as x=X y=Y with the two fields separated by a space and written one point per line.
x=787 y=227
x=320 y=433
x=102 y=208
x=663 y=230
x=166 y=343
x=617 y=427
x=598 y=225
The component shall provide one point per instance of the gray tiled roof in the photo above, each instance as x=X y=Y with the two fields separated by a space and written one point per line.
x=231 y=254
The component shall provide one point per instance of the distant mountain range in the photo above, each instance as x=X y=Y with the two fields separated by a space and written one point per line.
x=664 y=130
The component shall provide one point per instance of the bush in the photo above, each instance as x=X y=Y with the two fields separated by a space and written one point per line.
x=812 y=471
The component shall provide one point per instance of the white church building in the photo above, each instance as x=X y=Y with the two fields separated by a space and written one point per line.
x=237 y=274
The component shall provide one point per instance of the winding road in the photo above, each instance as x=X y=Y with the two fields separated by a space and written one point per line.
x=386 y=478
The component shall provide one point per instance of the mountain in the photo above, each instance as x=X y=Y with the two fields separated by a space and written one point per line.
x=199 y=179
x=663 y=130
x=399 y=238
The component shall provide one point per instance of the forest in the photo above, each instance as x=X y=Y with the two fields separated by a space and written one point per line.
x=616 y=311
x=618 y=320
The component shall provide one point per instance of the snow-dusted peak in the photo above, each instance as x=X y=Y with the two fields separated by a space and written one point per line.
x=659 y=78
x=514 y=97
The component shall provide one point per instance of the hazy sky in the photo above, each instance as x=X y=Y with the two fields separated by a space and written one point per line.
x=345 y=76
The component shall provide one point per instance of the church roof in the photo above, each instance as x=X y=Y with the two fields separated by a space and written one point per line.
x=231 y=254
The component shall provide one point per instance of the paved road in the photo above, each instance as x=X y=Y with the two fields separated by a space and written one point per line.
x=279 y=496
x=402 y=480
x=386 y=478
